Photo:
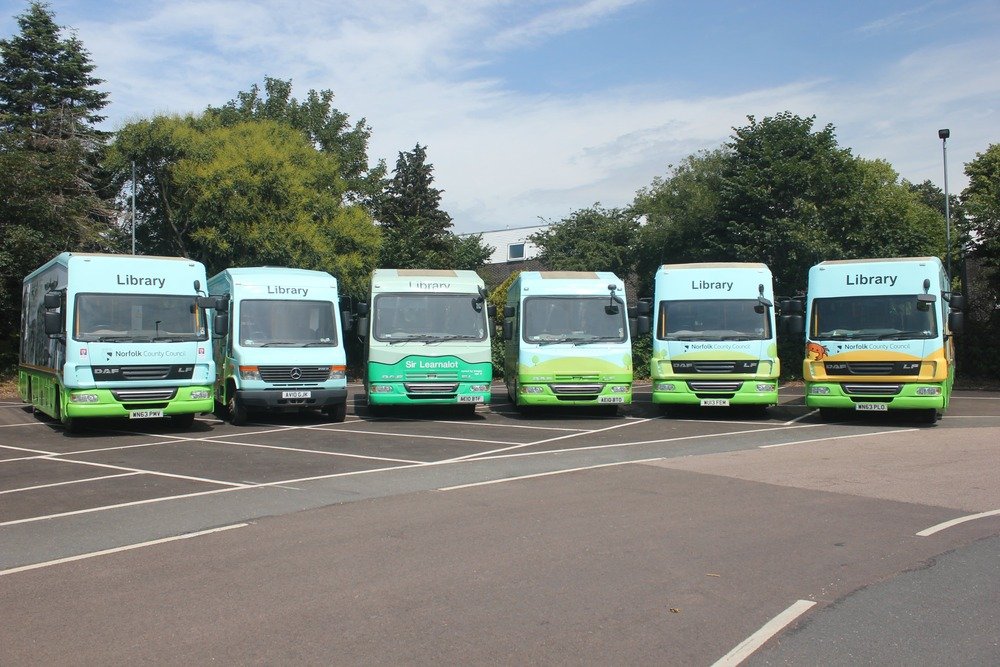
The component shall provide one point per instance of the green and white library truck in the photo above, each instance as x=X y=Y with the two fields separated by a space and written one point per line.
x=283 y=351
x=714 y=341
x=427 y=338
x=116 y=336
x=567 y=339
x=879 y=336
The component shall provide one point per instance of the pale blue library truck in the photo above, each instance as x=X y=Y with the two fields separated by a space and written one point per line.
x=284 y=350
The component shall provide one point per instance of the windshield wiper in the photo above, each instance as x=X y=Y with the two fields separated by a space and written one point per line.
x=583 y=340
x=277 y=343
x=898 y=335
x=457 y=337
x=552 y=341
x=410 y=338
x=319 y=343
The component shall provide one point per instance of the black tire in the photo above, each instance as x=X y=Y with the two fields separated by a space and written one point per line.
x=236 y=409
x=608 y=410
x=467 y=409
x=183 y=421
x=71 y=425
x=928 y=416
x=829 y=414
x=336 y=412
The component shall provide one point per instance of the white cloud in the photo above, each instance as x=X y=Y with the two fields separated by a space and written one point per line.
x=505 y=157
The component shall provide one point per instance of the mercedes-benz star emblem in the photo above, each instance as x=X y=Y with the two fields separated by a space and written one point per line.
x=296 y=373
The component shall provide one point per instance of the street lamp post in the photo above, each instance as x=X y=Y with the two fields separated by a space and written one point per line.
x=943 y=136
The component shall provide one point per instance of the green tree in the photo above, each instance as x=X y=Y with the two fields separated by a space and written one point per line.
x=255 y=192
x=591 y=239
x=49 y=145
x=416 y=233
x=326 y=127
x=981 y=201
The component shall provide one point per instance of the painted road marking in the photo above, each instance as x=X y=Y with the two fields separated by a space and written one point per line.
x=154 y=472
x=954 y=522
x=129 y=547
x=797 y=419
x=75 y=481
x=837 y=437
x=24 y=424
x=744 y=649
x=544 y=474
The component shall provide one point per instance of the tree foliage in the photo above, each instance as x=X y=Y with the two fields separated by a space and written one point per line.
x=325 y=126
x=785 y=194
x=49 y=147
x=591 y=239
x=250 y=193
x=416 y=233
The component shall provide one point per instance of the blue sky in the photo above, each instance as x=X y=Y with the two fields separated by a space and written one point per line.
x=532 y=109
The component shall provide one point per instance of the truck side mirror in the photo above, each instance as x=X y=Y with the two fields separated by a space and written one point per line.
x=791 y=307
x=957 y=301
x=361 y=309
x=509 y=311
x=639 y=326
x=362 y=325
x=346 y=320
x=792 y=325
x=956 y=321
x=52 y=299
x=508 y=330
x=643 y=307
x=53 y=323
x=220 y=324
x=491 y=311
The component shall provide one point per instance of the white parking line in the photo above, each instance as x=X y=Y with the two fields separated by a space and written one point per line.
x=544 y=474
x=154 y=472
x=317 y=451
x=410 y=435
x=129 y=547
x=75 y=481
x=542 y=442
x=954 y=522
x=25 y=449
x=837 y=437
x=801 y=417
x=22 y=424
x=744 y=649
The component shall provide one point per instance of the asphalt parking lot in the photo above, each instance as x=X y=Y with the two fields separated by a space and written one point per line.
x=551 y=537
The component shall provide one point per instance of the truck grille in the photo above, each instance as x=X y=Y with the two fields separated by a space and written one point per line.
x=294 y=374
x=431 y=387
x=872 y=389
x=716 y=366
x=143 y=372
x=133 y=395
x=728 y=387
x=576 y=389
x=872 y=367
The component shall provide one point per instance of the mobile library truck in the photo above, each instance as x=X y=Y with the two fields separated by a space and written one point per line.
x=714 y=341
x=567 y=339
x=283 y=351
x=879 y=336
x=116 y=336
x=427 y=338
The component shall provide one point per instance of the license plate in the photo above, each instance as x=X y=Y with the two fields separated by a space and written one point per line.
x=145 y=414
x=610 y=399
x=872 y=407
x=470 y=398
x=296 y=394
x=715 y=402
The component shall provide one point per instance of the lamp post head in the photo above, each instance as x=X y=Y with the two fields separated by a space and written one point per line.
x=944 y=134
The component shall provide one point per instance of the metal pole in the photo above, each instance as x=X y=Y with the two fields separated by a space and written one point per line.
x=133 y=206
x=944 y=134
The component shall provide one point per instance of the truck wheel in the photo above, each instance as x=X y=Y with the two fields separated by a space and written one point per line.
x=183 y=421
x=237 y=411
x=928 y=416
x=336 y=412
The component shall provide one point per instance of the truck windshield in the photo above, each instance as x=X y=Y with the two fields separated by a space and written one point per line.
x=138 y=318
x=428 y=317
x=890 y=317
x=285 y=323
x=573 y=319
x=713 y=319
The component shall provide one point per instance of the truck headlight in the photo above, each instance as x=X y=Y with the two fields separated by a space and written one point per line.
x=479 y=388
x=664 y=386
x=381 y=388
x=532 y=389
x=819 y=390
x=249 y=373
x=764 y=386
x=84 y=398
x=619 y=388
x=199 y=394
x=338 y=372
x=928 y=391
